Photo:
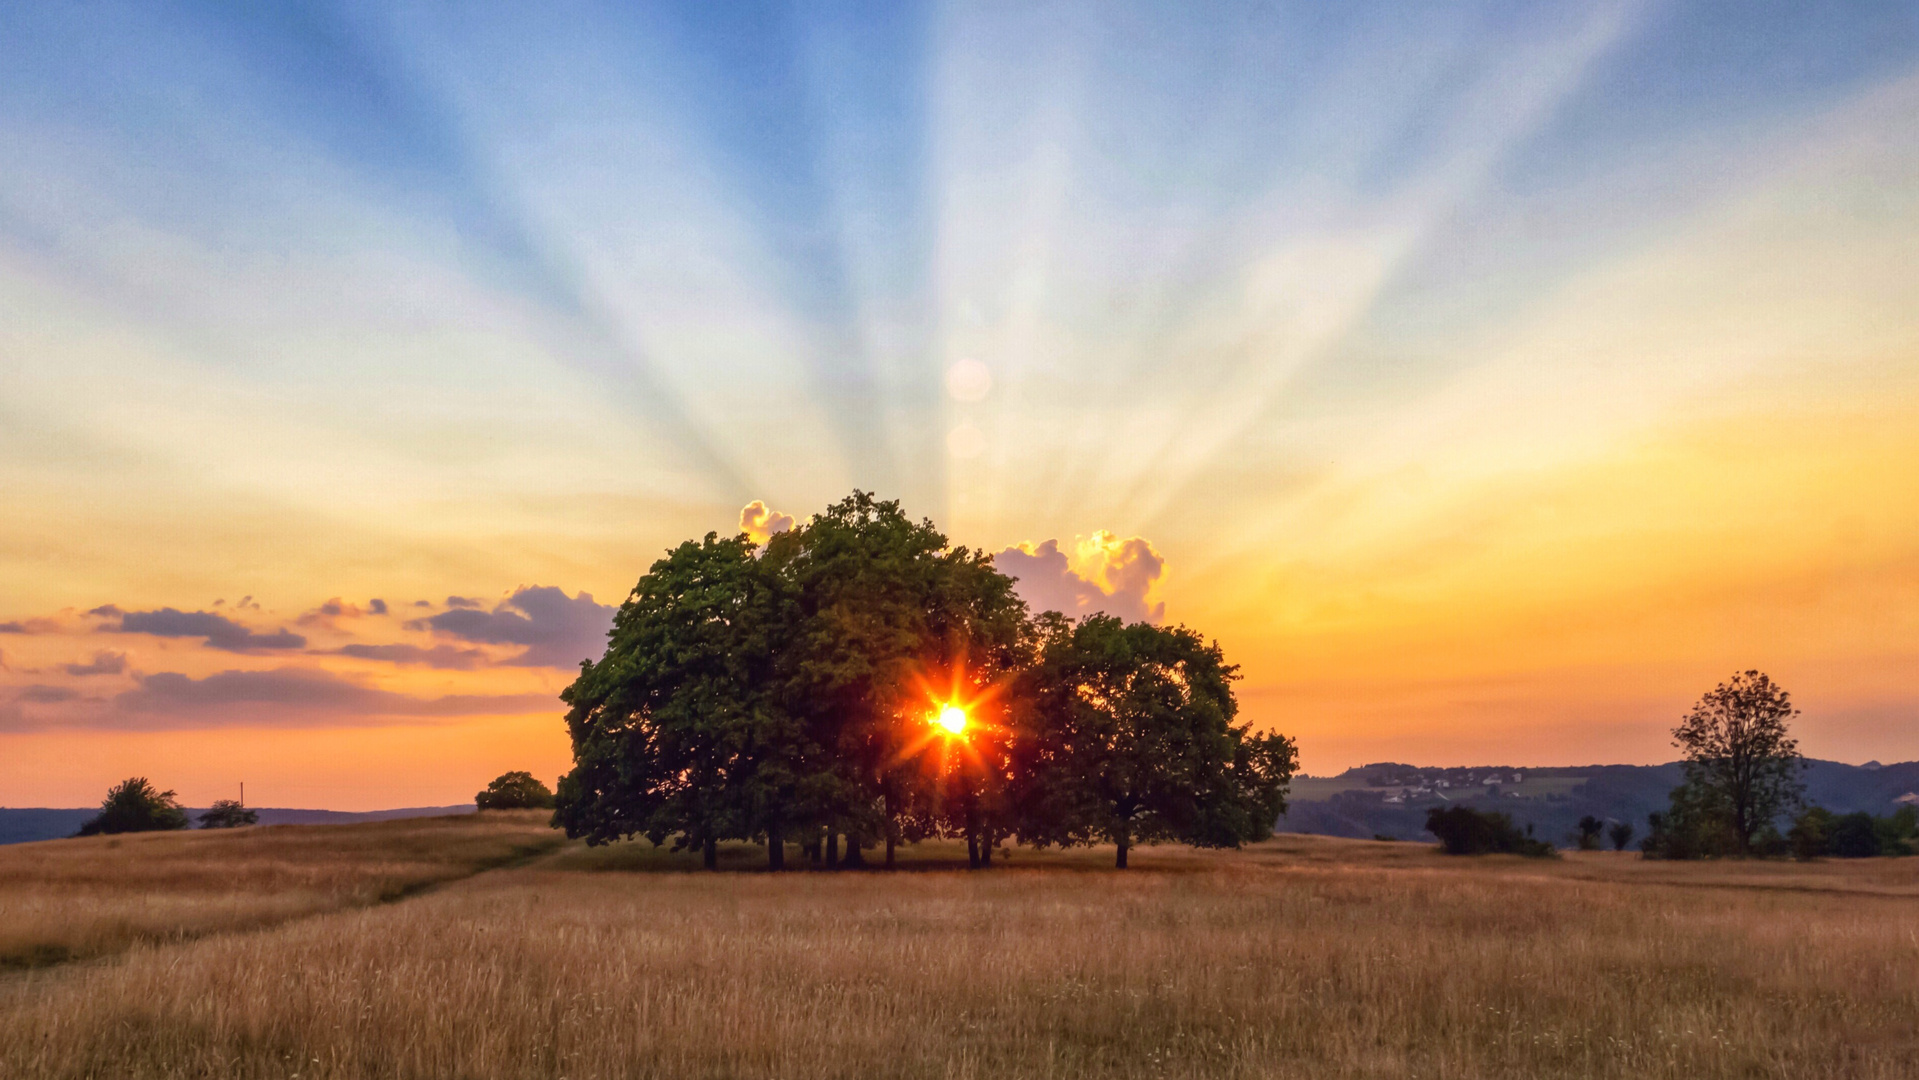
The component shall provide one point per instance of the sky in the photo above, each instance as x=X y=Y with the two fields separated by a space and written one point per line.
x=1490 y=380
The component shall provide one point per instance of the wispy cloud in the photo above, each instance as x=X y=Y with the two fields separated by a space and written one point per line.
x=217 y=631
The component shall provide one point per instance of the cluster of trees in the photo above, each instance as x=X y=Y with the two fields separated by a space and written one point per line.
x=133 y=805
x=859 y=680
x=1465 y=831
x=1819 y=832
x=1743 y=779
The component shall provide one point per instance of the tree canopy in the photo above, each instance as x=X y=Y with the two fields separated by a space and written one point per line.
x=790 y=691
x=134 y=806
x=1742 y=770
x=514 y=791
x=227 y=814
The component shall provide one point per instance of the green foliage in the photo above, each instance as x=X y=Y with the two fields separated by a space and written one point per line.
x=1133 y=742
x=785 y=692
x=133 y=806
x=514 y=791
x=1620 y=834
x=1695 y=825
x=1742 y=767
x=1464 y=831
x=1860 y=835
x=227 y=814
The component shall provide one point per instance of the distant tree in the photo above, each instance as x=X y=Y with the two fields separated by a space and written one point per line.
x=133 y=806
x=1464 y=831
x=1741 y=764
x=1694 y=825
x=1590 y=829
x=1133 y=741
x=1853 y=836
x=1620 y=834
x=514 y=791
x=228 y=814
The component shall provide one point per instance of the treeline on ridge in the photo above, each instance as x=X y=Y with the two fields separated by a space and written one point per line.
x=858 y=679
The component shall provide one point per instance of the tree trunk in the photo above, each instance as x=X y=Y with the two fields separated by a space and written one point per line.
x=855 y=860
x=972 y=851
x=775 y=848
x=1125 y=841
x=889 y=849
x=832 y=850
x=710 y=854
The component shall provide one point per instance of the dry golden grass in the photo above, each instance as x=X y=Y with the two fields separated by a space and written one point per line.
x=69 y=899
x=1305 y=957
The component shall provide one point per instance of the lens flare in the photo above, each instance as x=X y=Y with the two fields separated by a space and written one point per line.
x=952 y=718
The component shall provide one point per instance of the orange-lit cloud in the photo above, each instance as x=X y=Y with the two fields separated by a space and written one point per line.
x=762 y=523
x=1104 y=574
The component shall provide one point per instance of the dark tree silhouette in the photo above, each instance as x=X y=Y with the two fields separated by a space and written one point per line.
x=1589 y=829
x=1620 y=834
x=227 y=814
x=1741 y=764
x=514 y=791
x=133 y=806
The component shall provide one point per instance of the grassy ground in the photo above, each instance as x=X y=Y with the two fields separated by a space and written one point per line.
x=1304 y=957
x=71 y=899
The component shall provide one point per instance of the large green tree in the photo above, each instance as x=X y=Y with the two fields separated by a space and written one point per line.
x=679 y=730
x=1132 y=741
x=882 y=610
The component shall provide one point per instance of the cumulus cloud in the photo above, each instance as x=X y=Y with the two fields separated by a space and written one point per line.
x=376 y=606
x=440 y=656
x=762 y=523
x=103 y=663
x=1103 y=574
x=461 y=602
x=218 y=631
x=30 y=626
x=557 y=630
x=47 y=694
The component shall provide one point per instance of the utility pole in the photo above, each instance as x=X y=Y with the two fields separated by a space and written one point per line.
x=243 y=793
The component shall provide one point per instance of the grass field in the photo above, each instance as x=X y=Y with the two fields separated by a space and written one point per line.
x=72 y=899
x=1302 y=957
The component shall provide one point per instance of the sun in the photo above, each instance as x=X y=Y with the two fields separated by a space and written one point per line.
x=952 y=718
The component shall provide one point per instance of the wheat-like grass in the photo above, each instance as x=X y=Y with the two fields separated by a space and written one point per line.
x=1302 y=958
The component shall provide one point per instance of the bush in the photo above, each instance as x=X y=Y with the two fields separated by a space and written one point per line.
x=515 y=791
x=1696 y=825
x=133 y=806
x=1620 y=834
x=228 y=814
x=1859 y=835
x=1465 y=831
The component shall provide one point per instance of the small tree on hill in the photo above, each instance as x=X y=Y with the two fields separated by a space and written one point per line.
x=1741 y=764
x=514 y=791
x=133 y=806
x=227 y=814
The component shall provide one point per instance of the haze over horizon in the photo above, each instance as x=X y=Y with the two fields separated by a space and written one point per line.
x=1490 y=380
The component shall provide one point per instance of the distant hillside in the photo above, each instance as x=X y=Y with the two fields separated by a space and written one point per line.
x=1391 y=799
x=41 y=823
